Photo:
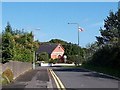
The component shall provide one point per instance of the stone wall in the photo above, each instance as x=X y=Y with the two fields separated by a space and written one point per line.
x=17 y=67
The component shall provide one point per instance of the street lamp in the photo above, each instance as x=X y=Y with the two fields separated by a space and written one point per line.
x=33 y=64
x=78 y=30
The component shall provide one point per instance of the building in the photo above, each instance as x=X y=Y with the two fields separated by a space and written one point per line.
x=54 y=50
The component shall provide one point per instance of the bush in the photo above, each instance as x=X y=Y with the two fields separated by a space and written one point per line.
x=53 y=61
x=107 y=56
x=69 y=62
x=77 y=59
x=43 y=56
x=56 y=61
x=8 y=75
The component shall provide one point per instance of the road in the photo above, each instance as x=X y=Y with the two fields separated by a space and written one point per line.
x=79 y=78
x=44 y=78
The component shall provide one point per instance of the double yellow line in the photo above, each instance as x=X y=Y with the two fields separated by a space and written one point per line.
x=58 y=82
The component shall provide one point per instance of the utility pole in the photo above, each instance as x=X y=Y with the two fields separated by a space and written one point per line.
x=34 y=55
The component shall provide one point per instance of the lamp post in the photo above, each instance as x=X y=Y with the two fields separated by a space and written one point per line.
x=33 y=64
x=77 y=29
x=34 y=57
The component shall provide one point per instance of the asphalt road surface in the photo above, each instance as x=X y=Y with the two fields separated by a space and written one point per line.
x=41 y=79
x=33 y=79
x=79 y=78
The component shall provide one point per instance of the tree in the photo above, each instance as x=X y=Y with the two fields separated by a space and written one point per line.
x=107 y=57
x=0 y=47
x=17 y=45
x=89 y=51
x=118 y=14
x=76 y=59
x=108 y=52
x=8 y=28
x=58 y=41
x=110 y=35
x=7 y=44
x=43 y=56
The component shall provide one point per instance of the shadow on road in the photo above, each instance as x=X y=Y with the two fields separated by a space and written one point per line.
x=55 y=66
x=97 y=75
x=70 y=70
x=85 y=73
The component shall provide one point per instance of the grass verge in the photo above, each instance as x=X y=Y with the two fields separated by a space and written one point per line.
x=106 y=70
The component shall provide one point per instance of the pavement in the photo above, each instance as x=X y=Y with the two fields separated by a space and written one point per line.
x=33 y=79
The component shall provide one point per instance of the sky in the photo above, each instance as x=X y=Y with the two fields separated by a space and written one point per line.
x=49 y=20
